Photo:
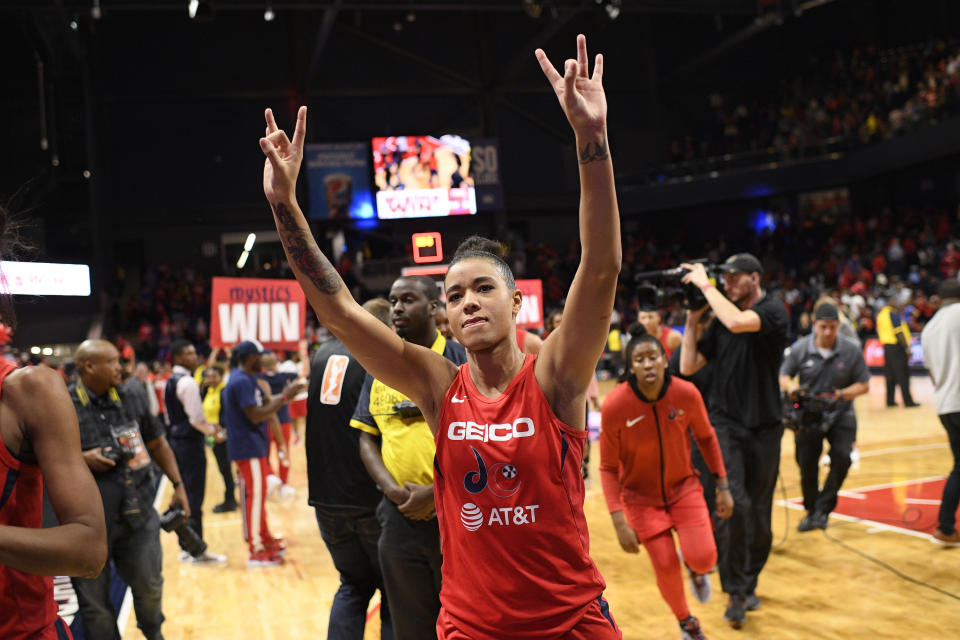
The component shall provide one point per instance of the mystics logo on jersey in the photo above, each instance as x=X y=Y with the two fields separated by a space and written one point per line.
x=501 y=479
x=333 y=375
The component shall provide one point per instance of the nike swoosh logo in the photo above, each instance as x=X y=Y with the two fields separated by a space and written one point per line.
x=457 y=400
x=630 y=423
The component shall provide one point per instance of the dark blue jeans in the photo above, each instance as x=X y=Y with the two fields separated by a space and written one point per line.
x=951 y=491
x=192 y=461
x=351 y=536
x=138 y=559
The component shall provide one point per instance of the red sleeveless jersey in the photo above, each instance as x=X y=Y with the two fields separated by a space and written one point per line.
x=663 y=340
x=27 y=607
x=509 y=499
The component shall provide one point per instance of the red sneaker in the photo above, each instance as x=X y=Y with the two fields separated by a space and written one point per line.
x=276 y=546
x=264 y=559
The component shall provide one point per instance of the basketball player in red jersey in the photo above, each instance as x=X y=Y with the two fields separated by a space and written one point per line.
x=652 y=321
x=648 y=478
x=40 y=447
x=510 y=428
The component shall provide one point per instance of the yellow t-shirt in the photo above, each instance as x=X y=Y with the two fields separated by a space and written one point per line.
x=407 y=445
x=889 y=324
x=211 y=403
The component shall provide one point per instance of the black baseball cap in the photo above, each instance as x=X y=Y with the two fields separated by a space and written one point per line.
x=247 y=348
x=742 y=263
x=826 y=311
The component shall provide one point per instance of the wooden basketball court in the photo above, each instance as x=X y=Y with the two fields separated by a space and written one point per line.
x=816 y=584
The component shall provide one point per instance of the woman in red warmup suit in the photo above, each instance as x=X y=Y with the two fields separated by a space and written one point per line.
x=509 y=427
x=649 y=481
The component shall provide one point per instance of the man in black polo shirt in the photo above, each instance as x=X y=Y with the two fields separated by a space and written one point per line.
x=825 y=363
x=745 y=346
x=342 y=493
x=119 y=437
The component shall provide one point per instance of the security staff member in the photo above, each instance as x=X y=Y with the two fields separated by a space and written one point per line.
x=745 y=343
x=825 y=363
x=894 y=335
x=401 y=463
x=117 y=432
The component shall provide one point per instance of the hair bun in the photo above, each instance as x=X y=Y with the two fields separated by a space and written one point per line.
x=481 y=244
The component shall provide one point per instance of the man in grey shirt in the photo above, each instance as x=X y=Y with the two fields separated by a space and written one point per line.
x=825 y=363
x=941 y=355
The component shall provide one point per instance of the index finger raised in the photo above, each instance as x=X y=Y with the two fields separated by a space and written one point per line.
x=271 y=121
x=548 y=69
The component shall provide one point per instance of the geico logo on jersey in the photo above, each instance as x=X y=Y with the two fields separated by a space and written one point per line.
x=469 y=430
x=473 y=518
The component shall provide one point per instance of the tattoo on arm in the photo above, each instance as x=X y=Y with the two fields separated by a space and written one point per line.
x=594 y=152
x=305 y=254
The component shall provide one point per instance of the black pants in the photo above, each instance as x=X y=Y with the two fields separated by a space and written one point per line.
x=351 y=536
x=951 y=491
x=409 y=552
x=192 y=461
x=896 y=369
x=752 y=459
x=809 y=446
x=223 y=463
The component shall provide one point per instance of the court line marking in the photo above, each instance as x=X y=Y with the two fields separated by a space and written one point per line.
x=873 y=525
x=916 y=447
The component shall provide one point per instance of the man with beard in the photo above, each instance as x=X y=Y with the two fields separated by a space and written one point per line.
x=401 y=463
x=745 y=344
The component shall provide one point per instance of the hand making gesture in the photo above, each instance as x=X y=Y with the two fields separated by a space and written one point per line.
x=581 y=96
x=282 y=166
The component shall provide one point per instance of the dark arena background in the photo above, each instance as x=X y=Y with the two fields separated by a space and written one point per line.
x=821 y=136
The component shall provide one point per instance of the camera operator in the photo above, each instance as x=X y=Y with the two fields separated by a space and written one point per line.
x=825 y=364
x=117 y=432
x=745 y=346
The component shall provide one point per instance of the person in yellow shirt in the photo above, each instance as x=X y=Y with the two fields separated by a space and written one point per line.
x=397 y=449
x=894 y=335
x=213 y=384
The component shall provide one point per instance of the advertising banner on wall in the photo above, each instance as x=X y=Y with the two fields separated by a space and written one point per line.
x=273 y=312
x=531 y=313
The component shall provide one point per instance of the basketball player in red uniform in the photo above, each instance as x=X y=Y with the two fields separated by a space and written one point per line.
x=648 y=478
x=40 y=447
x=652 y=321
x=510 y=428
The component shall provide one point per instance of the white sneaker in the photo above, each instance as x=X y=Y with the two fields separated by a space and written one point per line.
x=273 y=485
x=207 y=559
x=287 y=494
x=184 y=556
x=700 y=586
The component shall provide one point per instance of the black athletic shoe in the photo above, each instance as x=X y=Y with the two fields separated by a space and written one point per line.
x=912 y=405
x=820 y=519
x=736 y=613
x=806 y=524
x=752 y=602
x=225 y=507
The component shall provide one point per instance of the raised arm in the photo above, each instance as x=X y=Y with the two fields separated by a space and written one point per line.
x=418 y=372
x=569 y=356
x=78 y=546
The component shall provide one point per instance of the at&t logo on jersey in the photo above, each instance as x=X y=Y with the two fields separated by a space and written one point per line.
x=469 y=430
x=472 y=516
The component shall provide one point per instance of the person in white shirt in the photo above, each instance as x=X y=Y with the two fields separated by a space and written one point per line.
x=941 y=355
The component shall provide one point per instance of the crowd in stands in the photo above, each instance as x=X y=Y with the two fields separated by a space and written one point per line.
x=861 y=261
x=850 y=98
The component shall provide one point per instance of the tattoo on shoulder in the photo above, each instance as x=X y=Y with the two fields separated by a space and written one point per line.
x=305 y=254
x=594 y=152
